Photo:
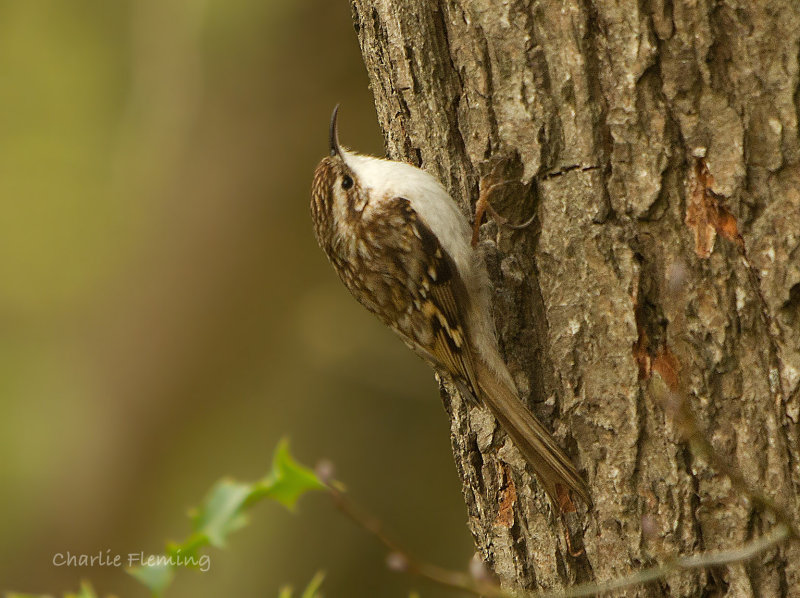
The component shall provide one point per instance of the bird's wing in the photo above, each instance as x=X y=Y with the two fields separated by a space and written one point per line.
x=439 y=297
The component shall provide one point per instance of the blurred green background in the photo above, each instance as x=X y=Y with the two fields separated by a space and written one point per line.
x=166 y=315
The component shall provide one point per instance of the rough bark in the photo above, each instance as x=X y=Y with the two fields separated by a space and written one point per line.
x=657 y=145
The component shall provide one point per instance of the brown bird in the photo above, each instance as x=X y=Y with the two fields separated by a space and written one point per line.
x=402 y=247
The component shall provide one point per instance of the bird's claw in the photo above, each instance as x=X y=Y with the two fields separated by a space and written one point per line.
x=489 y=185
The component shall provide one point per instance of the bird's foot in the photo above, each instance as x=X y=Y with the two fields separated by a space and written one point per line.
x=488 y=185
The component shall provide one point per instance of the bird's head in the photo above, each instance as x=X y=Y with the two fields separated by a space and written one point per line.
x=337 y=195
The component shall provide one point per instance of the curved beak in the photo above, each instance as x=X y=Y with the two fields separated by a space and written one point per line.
x=334 y=133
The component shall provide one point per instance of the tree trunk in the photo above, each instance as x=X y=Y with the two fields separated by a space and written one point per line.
x=657 y=145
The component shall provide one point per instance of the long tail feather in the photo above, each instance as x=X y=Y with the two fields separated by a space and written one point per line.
x=548 y=460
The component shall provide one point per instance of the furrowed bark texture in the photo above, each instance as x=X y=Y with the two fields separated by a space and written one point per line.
x=657 y=145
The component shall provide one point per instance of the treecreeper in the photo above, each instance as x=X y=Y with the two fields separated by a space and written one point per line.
x=402 y=247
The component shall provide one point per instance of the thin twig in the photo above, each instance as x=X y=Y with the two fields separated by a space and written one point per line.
x=461 y=581
x=696 y=561
x=439 y=575
x=702 y=446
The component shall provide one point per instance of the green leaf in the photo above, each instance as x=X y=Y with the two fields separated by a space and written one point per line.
x=86 y=591
x=312 y=590
x=287 y=481
x=223 y=512
x=156 y=578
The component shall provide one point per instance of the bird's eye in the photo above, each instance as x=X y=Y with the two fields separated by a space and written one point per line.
x=347 y=182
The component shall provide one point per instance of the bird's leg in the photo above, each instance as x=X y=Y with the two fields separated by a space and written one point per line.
x=488 y=185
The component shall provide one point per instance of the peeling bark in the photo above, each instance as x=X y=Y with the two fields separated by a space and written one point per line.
x=607 y=115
